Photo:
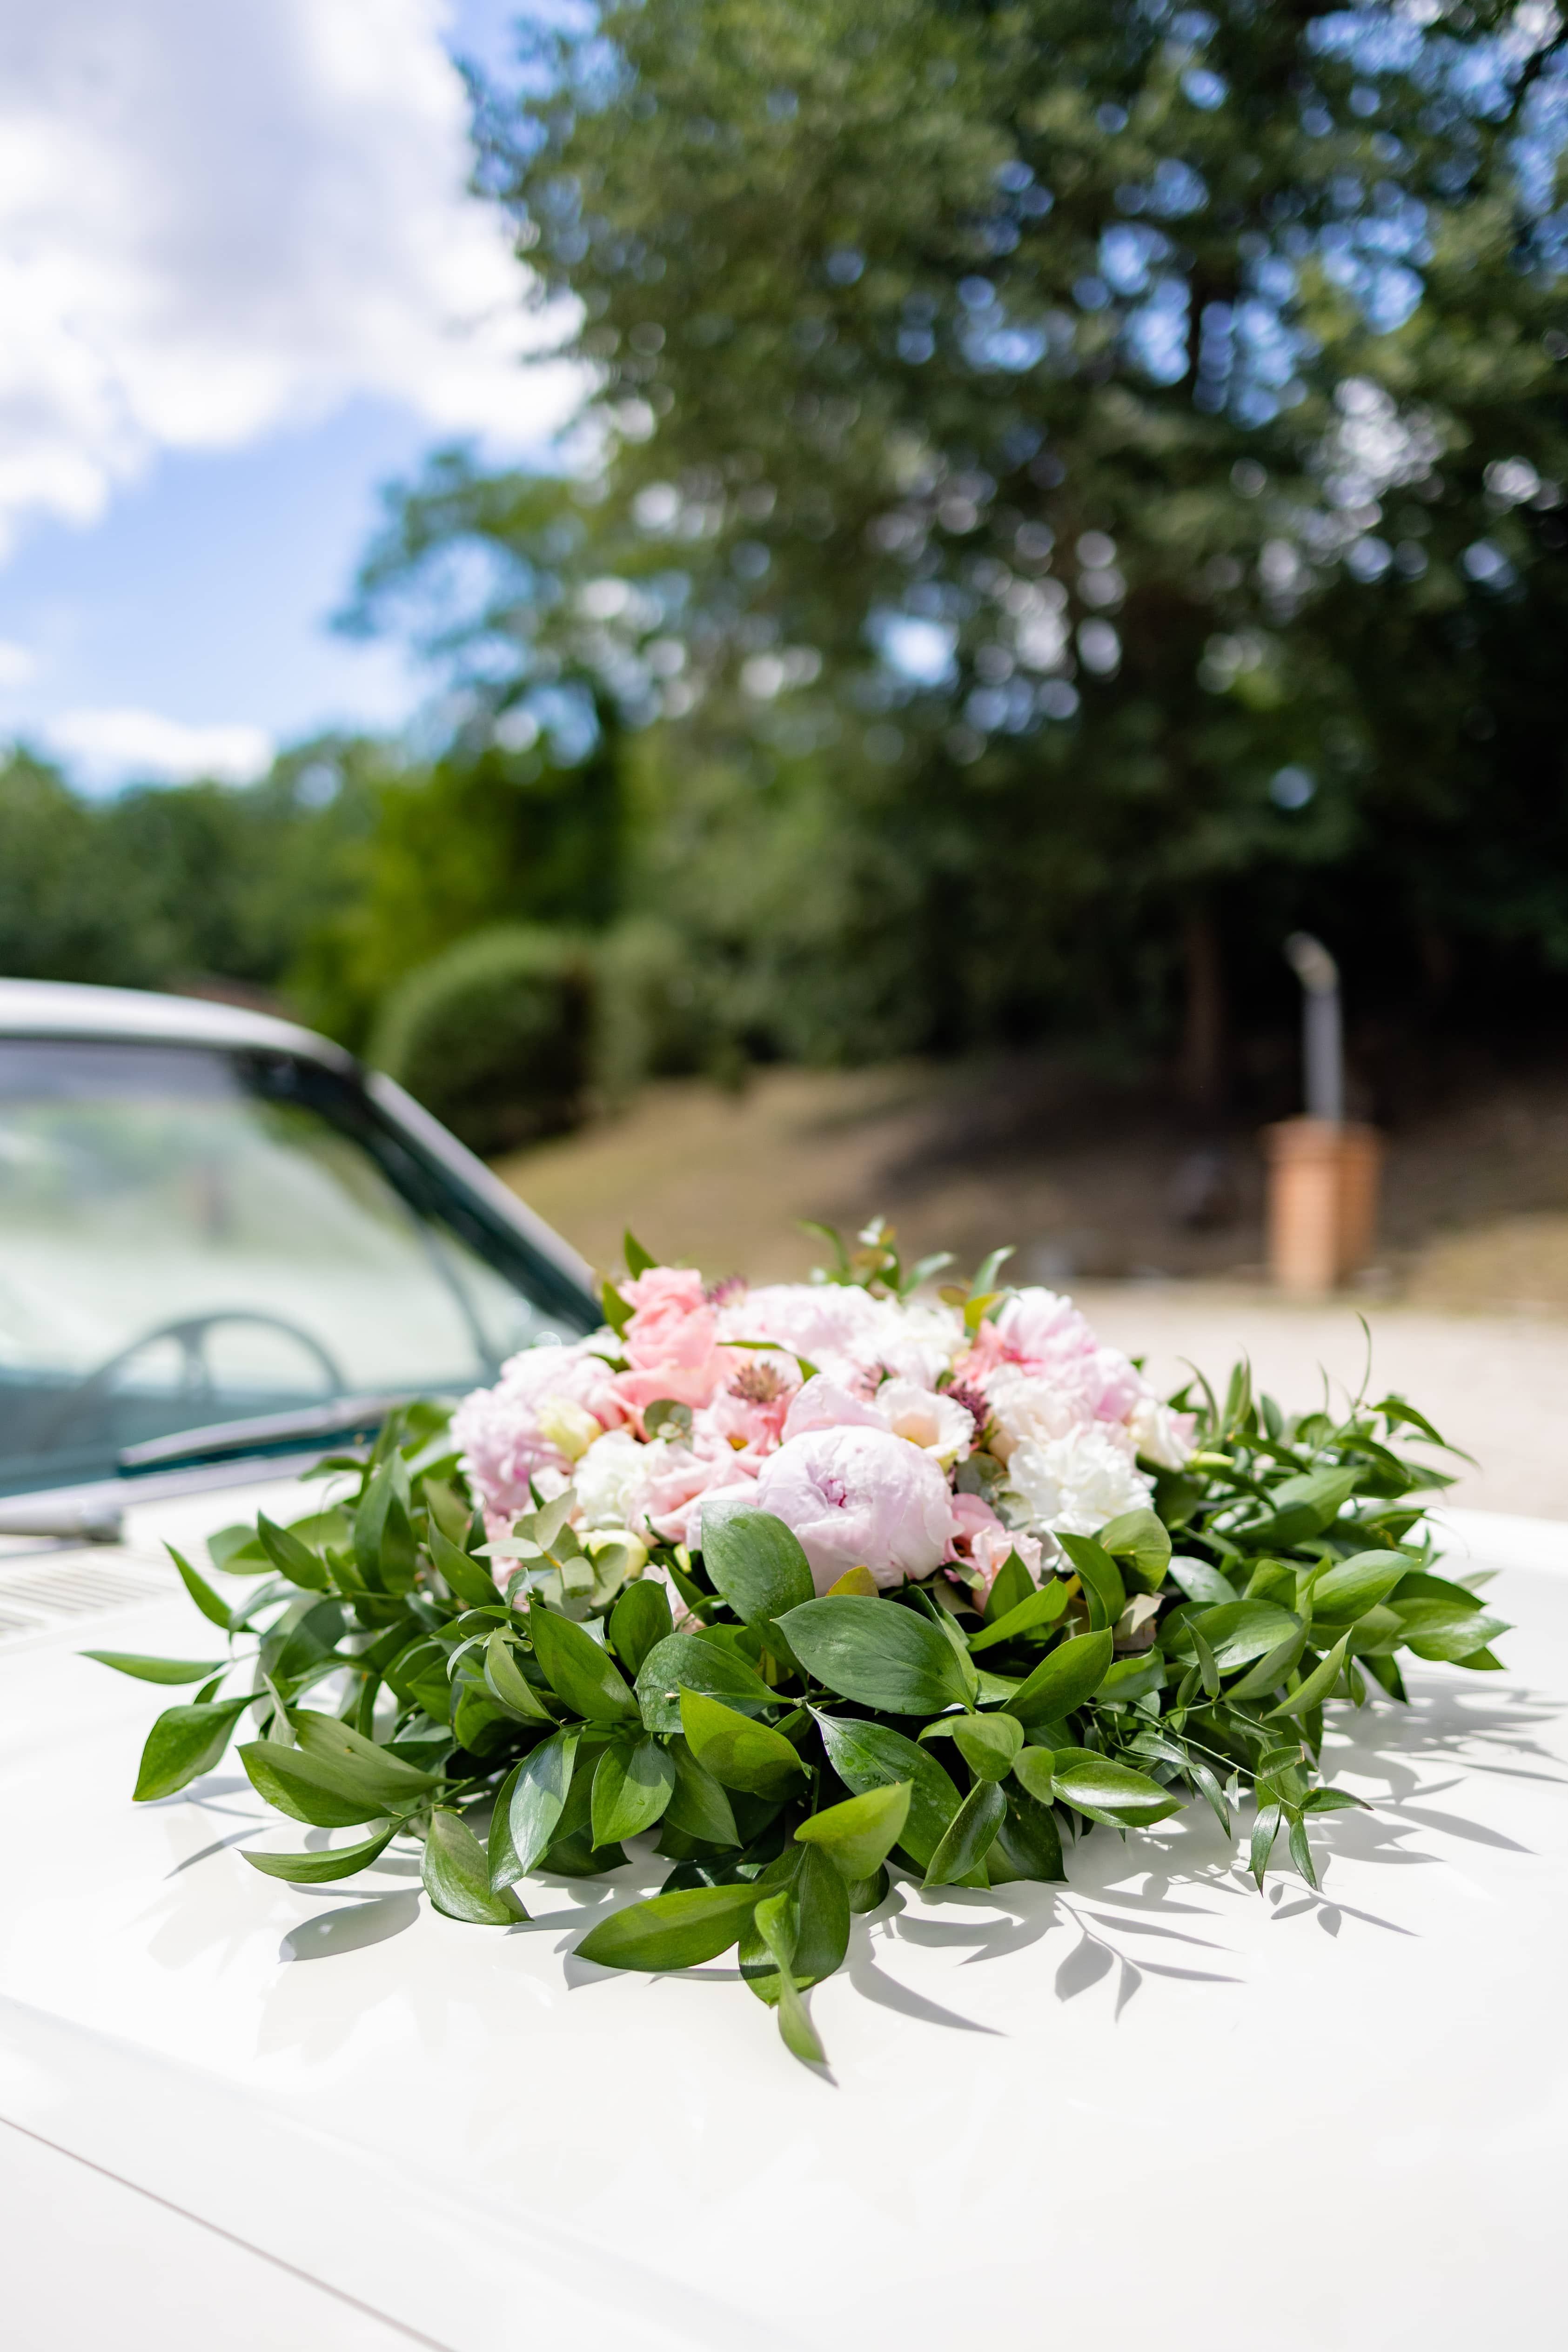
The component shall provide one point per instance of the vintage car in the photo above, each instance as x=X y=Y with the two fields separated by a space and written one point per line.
x=1147 y=2106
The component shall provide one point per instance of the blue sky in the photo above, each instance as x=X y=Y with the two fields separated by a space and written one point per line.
x=250 y=291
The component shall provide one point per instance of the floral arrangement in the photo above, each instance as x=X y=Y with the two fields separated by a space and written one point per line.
x=807 y=1584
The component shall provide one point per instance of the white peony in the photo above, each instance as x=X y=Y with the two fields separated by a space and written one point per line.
x=611 y=1478
x=1027 y=1407
x=1160 y=1434
x=1074 y=1485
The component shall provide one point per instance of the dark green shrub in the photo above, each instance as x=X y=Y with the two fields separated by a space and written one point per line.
x=496 y=1034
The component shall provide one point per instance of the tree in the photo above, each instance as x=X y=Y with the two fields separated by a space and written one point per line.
x=1083 y=453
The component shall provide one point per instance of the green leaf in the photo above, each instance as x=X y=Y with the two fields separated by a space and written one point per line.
x=185 y=1742
x=1144 y=1539
x=1064 y=1679
x=359 y=1761
x=970 y=1833
x=1333 y=1801
x=639 y=1622
x=738 y=1752
x=1010 y=1587
x=858 y=1835
x=638 y=1261
x=1028 y=1844
x=1458 y=1642
x=1132 y=1678
x=155 y=1670
x=1271 y=1668
x=776 y=1922
x=867 y=1756
x=1106 y=1792
x=1041 y=1608
x=319 y=1869
x=383 y=1542
x=876 y=1652
x=216 y=1611
x=699 y=1807
x=984 y=1282
x=290 y=1557
x=756 y=1562
x=1238 y=1630
x=507 y=1683
x=1209 y=1671
x=578 y=1669
x=237 y=1552
x=1265 y=1830
x=1303 y=1506
x=1202 y=1583
x=685 y=1662
x=617 y=1314
x=1034 y=1769
x=306 y=1789
x=988 y=1743
x=466 y=1579
x=539 y=1794
x=457 y=1878
x=1318 y=1685
x=1100 y=1578
x=1352 y=1586
x=1301 y=1853
x=633 y=1784
x=680 y=1930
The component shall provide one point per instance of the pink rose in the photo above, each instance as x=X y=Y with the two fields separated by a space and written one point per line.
x=859 y=1497
x=671 y=1340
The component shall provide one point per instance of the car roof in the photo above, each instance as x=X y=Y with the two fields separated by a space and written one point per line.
x=56 y=1008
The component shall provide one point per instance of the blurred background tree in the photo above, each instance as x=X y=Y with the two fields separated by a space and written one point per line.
x=1070 y=494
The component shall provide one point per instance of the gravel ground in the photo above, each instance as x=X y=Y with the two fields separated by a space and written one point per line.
x=1498 y=1387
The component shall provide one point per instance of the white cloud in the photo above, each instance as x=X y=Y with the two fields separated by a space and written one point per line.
x=106 y=746
x=218 y=220
x=17 y=665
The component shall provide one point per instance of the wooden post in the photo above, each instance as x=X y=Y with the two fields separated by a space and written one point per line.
x=1322 y=1202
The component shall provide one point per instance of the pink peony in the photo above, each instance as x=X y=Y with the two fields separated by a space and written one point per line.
x=671 y=1340
x=508 y=1436
x=981 y=1544
x=859 y=1497
x=847 y=1333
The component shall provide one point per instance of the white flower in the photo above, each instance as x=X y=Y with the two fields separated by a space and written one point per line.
x=1029 y=1407
x=1160 y=1434
x=1074 y=1485
x=843 y=1330
x=610 y=1480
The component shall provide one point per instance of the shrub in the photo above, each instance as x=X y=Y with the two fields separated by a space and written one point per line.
x=496 y=1034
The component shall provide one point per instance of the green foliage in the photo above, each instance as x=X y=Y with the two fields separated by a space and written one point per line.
x=1192 y=378
x=753 y=1745
x=494 y=1035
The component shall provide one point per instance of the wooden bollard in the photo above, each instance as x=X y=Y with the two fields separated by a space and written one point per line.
x=1322 y=1202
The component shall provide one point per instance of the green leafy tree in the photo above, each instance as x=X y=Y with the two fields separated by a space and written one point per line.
x=1068 y=467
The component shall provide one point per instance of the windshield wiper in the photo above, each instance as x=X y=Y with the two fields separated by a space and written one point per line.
x=346 y=1417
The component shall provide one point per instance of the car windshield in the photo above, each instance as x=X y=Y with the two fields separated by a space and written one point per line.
x=191 y=1236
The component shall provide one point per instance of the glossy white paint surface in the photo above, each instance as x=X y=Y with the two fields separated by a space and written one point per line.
x=1149 y=2106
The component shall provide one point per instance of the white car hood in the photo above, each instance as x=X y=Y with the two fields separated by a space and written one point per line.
x=1151 y=2103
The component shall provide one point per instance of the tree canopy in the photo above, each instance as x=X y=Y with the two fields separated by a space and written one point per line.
x=1076 y=492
